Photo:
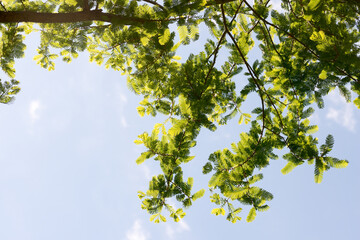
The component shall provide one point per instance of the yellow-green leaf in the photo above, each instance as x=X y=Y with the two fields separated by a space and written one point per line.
x=357 y=102
x=152 y=217
x=71 y=2
x=141 y=110
x=165 y=37
x=288 y=168
x=218 y=211
x=143 y=157
x=175 y=46
x=163 y=219
x=307 y=17
x=318 y=177
x=198 y=194
x=306 y=122
x=183 y=32
x=177 y=57
x=312 y=129
x=144 y=41
x=313 y=4
x=251 y=216
x=137 y=141
x=323 y=75
x=184 y=106
x=241 y=119
x=193 y=31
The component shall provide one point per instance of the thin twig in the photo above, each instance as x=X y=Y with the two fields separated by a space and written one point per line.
x=303 y=44
x=252 y=73
x=3 y=6
x=155 y=3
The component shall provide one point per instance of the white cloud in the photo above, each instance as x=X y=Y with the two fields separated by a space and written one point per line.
x=147 y=172
x=123 y=98
x=34 y=110
x=121 y=102
x=124 y=122
x=276 y=5
x=184 y=226
x=137 y=232
x=341 y=112
x=315 y=119
x=176 y=228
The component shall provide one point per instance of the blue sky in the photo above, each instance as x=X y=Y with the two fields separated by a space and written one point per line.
x=67 y=167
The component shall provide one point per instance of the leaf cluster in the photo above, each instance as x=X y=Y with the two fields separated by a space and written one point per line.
x=307 y=50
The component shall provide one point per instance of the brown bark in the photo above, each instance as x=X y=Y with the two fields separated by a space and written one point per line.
x=94 y=15
x=83 y=16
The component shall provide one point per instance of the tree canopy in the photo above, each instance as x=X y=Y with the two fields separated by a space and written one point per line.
x=307 y=49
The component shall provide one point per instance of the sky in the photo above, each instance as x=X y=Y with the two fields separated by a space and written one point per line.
x=68 y=171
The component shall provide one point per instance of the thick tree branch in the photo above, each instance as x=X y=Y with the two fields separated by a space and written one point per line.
x=86 y=7
x=83 y=16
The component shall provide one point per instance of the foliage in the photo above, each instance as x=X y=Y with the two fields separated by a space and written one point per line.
x=309 y=48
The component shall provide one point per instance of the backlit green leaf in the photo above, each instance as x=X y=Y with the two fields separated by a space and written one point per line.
x=165 y=37
x=251 y=216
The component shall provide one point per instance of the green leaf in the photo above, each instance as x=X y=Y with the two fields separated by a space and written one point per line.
x=144 y=41
x=152 y=217
x=141 y=194
x=183 y=32
x=215 y=180
x=288 y=168
x=319 y=170
x=334 y=162
x=255 y=178
x=357 y=102
x=247 y=115
x=241 y=119
x=207 y=168
x=184 y=106
x=194 y=30
x=308 y=17
x=312 y=129
x=177 y=57
x=215 y=198
x=218 y=211
x=141 y=111
x=236 y=194
x=341 y=164
x=251 y=216
x=313 y=5
x=71 y=2
x=306 y=122
x=198 y=194
x=165 y=37
x=137 y=141
x=180 y=213
x=143 y=157
x=323 y=75
x=190 y=181
x=162 y=218
x=188 y=159
x=175 y=47
x=329 y=141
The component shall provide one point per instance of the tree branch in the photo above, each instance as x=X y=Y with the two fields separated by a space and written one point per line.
x=85 y=15
x=86 y=7
x=93 y=15
x=155 y=3
x=3 y=6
